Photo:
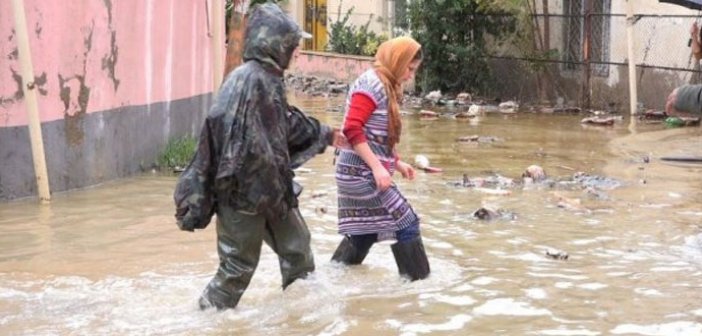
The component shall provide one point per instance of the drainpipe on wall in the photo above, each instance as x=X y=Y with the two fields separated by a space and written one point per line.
x=630 y=21
x=30 y=98
x=217 y=44
x=391 y=18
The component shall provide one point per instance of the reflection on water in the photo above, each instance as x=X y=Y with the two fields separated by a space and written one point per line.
x=110 y=260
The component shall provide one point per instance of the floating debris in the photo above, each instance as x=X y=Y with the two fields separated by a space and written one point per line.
x=508 y=107
x=535 y=173
x=682 y=121
x=433 y=96
x=464 y=98
x=653 y=115
x=488 y=213
x=477 y=139
x=428 y=113
x=422 y=162
x=606 y=121
x=594 y=181
x=556 y=254
x=464 y=115
x=496 y=192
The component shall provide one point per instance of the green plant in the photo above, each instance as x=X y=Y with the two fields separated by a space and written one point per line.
x=346 y=38
x=178 y=152
x=453 y=37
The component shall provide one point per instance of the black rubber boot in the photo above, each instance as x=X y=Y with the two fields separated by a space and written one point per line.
x=291 y=242
x=353 y=249
x=411 y=259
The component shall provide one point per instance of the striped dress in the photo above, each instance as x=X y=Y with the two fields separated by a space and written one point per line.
x=363 y=209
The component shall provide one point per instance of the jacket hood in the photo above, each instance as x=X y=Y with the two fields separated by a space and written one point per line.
x=271 y=36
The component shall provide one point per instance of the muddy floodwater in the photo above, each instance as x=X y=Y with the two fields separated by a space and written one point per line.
x=109 y=260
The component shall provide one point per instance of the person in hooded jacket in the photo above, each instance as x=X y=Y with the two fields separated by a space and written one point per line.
x=242 y=170
x=371 y=208
x=685 y=101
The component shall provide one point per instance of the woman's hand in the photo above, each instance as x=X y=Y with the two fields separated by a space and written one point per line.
x=406 y=170
x=339 y=140
x=382 y=177
x=670 y=103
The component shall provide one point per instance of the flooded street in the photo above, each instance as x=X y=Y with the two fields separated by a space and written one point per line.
x=110 y=259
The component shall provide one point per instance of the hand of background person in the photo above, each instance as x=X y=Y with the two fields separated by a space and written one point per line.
x=382 y=177
x=670 y=109
x=695 y=41
x=339 y=140
x=670 y=103
x=406 y=170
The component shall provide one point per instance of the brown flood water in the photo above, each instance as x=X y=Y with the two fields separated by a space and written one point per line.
x=109 y=260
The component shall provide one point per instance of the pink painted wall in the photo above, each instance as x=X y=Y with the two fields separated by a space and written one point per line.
x=329 y=65
x=96 y=55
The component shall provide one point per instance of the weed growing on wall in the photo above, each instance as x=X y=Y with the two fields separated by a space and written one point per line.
x=177 y=153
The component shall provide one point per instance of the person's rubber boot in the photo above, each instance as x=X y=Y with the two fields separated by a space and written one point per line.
x=411 y=259
x=291 y=242
x=353 y=249
x=215 y=298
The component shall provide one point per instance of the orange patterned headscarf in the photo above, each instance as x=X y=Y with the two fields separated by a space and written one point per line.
x=391 y=61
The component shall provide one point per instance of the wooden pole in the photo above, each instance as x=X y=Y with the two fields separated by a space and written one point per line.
x=630 y=21
x=217 y=44
x=30 y=98
x=587 y=37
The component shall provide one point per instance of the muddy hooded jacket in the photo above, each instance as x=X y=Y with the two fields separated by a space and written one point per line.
x=251 y=138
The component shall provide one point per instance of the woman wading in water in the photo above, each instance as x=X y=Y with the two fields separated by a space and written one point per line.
x=371 y=208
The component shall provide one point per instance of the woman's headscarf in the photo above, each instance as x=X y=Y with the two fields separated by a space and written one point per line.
x=391 y=61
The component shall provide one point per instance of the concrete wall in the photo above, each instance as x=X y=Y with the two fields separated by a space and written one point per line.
x=116 y=80
x=362 y=11
x=329 y=65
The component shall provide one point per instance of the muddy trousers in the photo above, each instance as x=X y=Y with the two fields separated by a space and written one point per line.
x=239 y=240
x=409 y=253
